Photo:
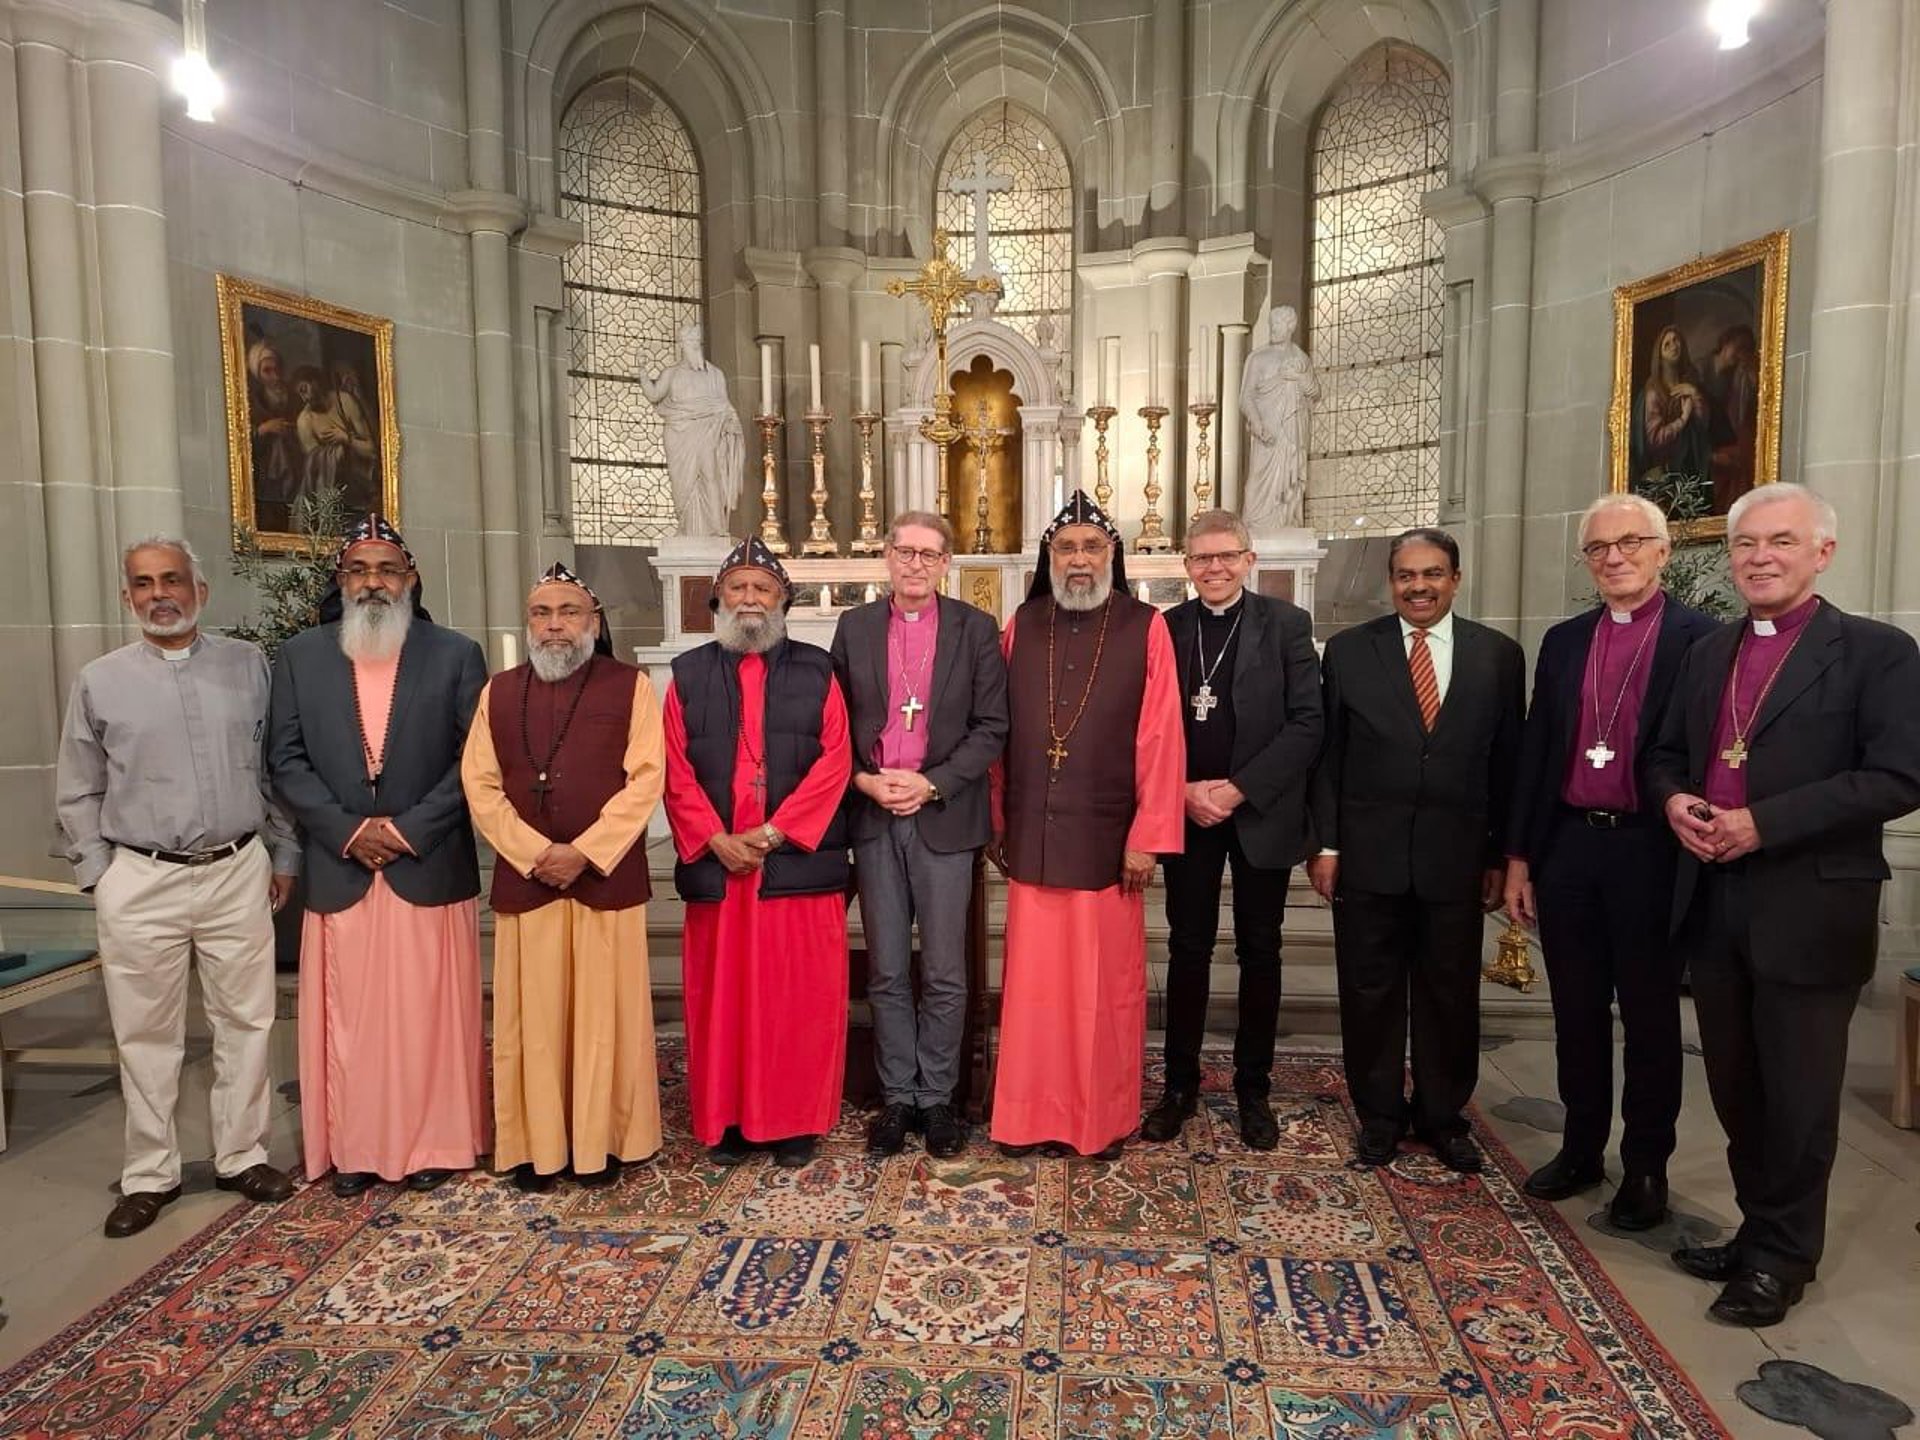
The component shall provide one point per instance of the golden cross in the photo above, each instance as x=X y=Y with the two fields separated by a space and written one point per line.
x=1735 y=754
x=1057 y=752
x=939 y=286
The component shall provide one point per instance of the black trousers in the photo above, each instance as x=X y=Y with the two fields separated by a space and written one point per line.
x=1193 y=927
x=1402 y=962
x=1776 y=1056
x=1604 y=898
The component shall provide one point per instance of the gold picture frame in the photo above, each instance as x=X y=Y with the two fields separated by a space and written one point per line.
x=310 y=403
x=1695 y=422
x=979 y=586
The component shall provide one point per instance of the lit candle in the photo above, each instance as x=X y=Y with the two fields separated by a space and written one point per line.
x=1141 y=591
x=766 y=377
x=1153 y=367
x=866 y=378
x=509 y=650
x=813 y=374
x=873 y=592
x=826 y=599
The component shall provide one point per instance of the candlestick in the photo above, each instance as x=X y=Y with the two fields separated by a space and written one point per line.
x=509 y=650
x=1152 y=538
x=1109 y=369
x=766 y=378
x=1102 y=488
x=1203 y=413
x=873 y=593
x=866 y=375
x=826 y=599
x=868 y=542
x=770 y=535
x=813 y=377
x=820 y=532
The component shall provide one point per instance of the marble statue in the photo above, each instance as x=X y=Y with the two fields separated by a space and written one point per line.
x=706 y=448
x=1277 y=389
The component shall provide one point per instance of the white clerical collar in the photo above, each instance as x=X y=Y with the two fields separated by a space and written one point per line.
x=1220 y=611
x=912 y=617
x=1765 y=627
x=1627 y=617
x=1441 y=629
x=184 y=652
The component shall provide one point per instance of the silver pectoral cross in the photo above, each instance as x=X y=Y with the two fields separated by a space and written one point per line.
x=1203 y=702
x=909 y=708
x=1599 y=754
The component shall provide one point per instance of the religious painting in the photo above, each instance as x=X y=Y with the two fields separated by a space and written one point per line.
x=310 y=407
x=980 y=588
x=1697 y=352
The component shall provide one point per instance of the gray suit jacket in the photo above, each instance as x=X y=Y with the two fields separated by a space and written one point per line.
x=319 y=767
x=966 y=718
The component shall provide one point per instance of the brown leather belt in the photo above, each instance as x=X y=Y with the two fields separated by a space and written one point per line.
x=189 y=857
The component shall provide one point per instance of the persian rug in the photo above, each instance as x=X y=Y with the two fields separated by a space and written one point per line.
x=1196 y=1290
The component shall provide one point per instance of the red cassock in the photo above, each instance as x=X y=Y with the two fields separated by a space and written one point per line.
x=764 y=981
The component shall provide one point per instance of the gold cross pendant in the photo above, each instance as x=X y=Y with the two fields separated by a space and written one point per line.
x=1735 y=754
x=1057 y=752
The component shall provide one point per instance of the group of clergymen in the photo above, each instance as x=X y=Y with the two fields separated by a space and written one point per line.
x=1682 y=792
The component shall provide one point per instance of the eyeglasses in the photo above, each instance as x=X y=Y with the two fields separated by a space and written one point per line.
x=1213 y=558
x=906 y=555
x=375 y=572
x=540 y=614
x=1626 y=544
x=1092 y=549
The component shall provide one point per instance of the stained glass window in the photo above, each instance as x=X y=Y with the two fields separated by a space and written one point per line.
x=1029 y=225
x=629 y=177
x=1375 y=295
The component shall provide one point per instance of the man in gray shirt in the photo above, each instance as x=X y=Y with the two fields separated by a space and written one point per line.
x=170 y=825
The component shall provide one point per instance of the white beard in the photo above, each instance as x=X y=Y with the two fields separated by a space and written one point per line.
x=554 y=663
x=375 y=629
x=172 y=629
x=749 y=639
x=1091 y=599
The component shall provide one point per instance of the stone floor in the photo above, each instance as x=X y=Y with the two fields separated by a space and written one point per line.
x=1861 y=1322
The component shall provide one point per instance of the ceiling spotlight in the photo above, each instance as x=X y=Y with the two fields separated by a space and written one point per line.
x=1730 y=19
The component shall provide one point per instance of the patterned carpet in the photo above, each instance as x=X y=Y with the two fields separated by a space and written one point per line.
x=1197 y=1290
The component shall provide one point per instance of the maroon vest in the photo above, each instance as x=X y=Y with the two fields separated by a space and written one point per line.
x=589 y=769
x=1067 y=828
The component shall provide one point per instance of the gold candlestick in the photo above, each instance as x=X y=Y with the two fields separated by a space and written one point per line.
x=986 y=440
x=1102 y=487
x=941 y=432
x=770 y=535
x=868 y=541
x=820 y=532
x=1513 y=961
x=1152 y=538
x=1203 y=413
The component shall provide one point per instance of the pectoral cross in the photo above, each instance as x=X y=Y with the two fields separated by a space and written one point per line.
x=1057 y=752
x=910 y=708
x=1203 y=702
x=1735 y=754
x=542 y=788
x=759 y=783
x=1599 y=754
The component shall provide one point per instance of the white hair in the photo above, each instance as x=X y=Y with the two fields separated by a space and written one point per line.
x=738 y=633
x=165 y=542
x=554 y=660
x=1826 y=524
x=374 y=627
x=1651 y=515
x=1093 y=599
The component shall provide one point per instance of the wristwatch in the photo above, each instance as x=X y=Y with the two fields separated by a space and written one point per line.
x=773 y=836
x=933 y=792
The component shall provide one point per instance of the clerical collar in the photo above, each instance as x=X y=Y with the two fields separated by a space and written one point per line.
x=1789 y=622
x=185 y=652
x=1220 y=612
x=1649 y=606
x=912 y=617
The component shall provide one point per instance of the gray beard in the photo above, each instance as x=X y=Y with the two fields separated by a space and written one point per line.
x=171 y=629
x=749 y=639
x=554 y=663
x=1091 y=600
x=375 y=629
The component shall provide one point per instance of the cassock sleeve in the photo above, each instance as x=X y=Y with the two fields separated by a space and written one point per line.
x=690 y=814
x=494 y=815
x=623 y=819
x=1160 y=753
x=804 y=815
x=997 y=772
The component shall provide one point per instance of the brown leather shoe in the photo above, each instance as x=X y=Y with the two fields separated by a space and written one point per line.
x=133 y=1213
x=261 y=1184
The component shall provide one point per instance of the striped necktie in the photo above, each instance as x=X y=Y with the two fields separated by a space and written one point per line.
x=1426 y=685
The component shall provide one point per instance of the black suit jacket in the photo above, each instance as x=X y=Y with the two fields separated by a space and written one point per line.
x=1277 y=726
x=966 y=718
x=1553 y=721
x=1834 y=755
x=1412 y=812
x=319 y=767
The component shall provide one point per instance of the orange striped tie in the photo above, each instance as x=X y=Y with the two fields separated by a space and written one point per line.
x=1426 y=685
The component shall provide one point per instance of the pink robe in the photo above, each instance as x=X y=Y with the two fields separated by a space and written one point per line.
x=392 y=1056
x=1073 y=994
x=764 y=981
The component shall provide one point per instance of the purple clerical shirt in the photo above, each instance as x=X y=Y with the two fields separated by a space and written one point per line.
x=1763 y=649
x=1620 y=660
x=910 y=641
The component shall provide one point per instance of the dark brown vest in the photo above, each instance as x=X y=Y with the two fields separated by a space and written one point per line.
x=588 y=771
x=1067 y=828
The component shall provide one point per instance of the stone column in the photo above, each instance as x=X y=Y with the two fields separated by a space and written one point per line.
x=835 y=270
x=830 y=117
x=1166 y=134
x=1227 y=428
x=1163 y=264
x=1848 y=337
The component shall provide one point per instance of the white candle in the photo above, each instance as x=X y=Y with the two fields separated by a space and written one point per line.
x=766 y=377
x=1153 y=367
x=1141 y=591
x=813 y=374
x=509 y=650
x=873 y=593
x=1209 y=360
x=866 y=378
x=1109 y=369
x=1060 y=488
x=826 y=599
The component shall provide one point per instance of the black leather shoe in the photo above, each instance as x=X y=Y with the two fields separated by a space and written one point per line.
x=1640 y=1203
x=887 y=1135
x=529 y=1181
x=794 y=1151
x=421 y=1181
x=606 y=1176
x=1176 y=1107
x=1258 y=1129
x=1018 y=1152
x=1756 y=1299
x=946 y=1136
x=1457 y=1152
x=349 y=1183
x=1109 y=1152
x=261 y=1184
x=1565 y=1176
x=1709 y=1262
x=733 y=1149
x=133 y=1213
x=1378 y=1140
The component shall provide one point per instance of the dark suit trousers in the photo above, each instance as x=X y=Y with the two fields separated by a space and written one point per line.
x=1776 y=1056
x=1604 y=898
x=1193 y=926
x=1403 y=959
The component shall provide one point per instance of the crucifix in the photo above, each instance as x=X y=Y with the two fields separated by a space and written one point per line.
x=542 y=787
x=759 y=783
x=939 y=286
x=978 y=185
x=1204 y=701
x=1735 y=754
x=1057 y=752
x=909 y=708
x=1599 y=754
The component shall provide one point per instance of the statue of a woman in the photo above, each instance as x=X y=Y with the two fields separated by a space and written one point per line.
x=706 y=448
x=1277 y=389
